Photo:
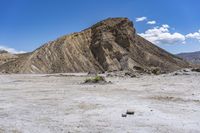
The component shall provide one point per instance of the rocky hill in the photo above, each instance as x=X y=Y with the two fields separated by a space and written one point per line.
x=110 y=45
x=193 y=57
x=5 y=56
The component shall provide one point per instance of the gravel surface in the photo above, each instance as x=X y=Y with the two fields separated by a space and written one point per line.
x=62 y=104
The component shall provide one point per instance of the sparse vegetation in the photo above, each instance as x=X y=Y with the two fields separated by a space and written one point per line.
x=96 y=79
x=156 y=71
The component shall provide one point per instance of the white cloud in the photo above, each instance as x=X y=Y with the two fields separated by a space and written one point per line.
x=165 y=26
x=140 y=19
x=162 y=35
x=195 y=35
x=11 y=50
x=151 y=22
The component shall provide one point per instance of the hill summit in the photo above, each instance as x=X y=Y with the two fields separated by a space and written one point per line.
x=110 y=45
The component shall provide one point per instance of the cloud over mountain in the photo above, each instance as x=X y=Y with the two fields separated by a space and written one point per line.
x=195 y=35
x=162 y=35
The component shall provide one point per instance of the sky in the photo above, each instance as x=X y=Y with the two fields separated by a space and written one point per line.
x=25 y=25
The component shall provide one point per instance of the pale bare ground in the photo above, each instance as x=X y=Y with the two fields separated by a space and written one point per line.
x=61 y=104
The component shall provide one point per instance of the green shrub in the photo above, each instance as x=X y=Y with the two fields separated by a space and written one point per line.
x=156 y=71
x=96 y=79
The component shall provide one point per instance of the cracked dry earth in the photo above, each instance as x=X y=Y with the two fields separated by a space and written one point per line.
x=61 y=104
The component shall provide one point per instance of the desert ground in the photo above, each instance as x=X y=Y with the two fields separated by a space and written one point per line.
x=41 y=103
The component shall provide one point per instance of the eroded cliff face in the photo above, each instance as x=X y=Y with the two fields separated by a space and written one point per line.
x=111 y=41
x=110 y=45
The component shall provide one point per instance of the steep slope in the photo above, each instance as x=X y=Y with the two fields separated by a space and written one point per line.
x=110 y=45
x=193 y=57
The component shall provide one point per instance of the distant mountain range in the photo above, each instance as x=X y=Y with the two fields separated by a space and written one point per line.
x=193 y=57
x=110 y=45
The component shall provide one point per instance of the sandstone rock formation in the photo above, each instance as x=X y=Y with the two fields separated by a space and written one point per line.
x=110 y=45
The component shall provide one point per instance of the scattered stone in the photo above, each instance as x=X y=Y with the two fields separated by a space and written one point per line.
x=176 y=74
x=138 y=68
x=180 y=73
x=124 y=115
x=130 y=74
x=186 y=70
x=196 y=69
x=130 y=112
x=122 y=74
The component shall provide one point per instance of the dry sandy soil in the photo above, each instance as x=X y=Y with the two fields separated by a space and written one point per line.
x=61 y=104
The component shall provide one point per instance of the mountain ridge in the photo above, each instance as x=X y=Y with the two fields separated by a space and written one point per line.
x=109 y=45
x=193 y=57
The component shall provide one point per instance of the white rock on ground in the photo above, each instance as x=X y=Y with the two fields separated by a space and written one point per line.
x=53 y=104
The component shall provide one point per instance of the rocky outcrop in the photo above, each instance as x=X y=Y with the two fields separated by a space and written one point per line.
x=5 y=56
x=110 y=45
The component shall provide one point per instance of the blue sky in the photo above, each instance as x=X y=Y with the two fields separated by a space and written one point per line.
x=27 y=24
